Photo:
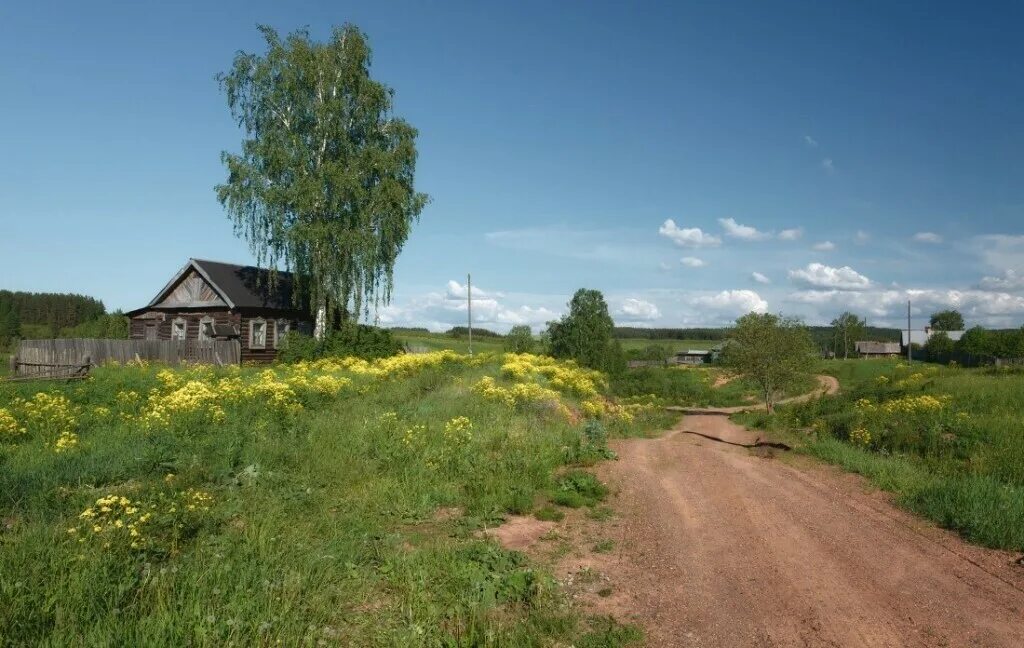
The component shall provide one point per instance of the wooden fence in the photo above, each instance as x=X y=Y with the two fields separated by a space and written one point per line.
x=45 y=357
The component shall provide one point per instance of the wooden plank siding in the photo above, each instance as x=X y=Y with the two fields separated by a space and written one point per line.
x=38 y=356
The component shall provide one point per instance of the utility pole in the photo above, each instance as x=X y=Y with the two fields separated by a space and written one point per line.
x=910 y=356
x=469 y=310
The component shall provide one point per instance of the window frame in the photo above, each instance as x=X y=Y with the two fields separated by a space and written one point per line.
x=279 y=325
x=202 y=324
x=184 y=329
x=252 y=322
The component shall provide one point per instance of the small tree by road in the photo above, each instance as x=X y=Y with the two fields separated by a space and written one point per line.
x=772 y=350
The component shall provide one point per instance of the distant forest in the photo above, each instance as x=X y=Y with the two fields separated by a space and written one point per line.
x=822 y=335
x=48 y=315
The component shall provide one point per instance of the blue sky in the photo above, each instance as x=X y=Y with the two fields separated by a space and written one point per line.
x=851 y=155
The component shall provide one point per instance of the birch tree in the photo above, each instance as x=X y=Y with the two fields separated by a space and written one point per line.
x=324 y=179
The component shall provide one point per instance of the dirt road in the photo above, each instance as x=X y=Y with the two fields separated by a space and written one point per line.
x=715 y=546
x=827 y=385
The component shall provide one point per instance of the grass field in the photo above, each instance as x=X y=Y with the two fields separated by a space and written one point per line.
x=339 y=502
x=947 y=441
x=439 y=341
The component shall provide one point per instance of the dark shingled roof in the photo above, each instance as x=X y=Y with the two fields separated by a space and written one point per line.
x=248 y=286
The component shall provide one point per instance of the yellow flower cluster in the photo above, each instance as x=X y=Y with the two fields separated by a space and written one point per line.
x=115 y=518
x=517 y=394
x=565 y=377
x=415 y=436
x=47 y=413
x=9 y=426
x=390 y=367
x=66 y=442
x=924 y=403
x=598 y=407
x=860 y=436
x=193 y=397
x=458 y=430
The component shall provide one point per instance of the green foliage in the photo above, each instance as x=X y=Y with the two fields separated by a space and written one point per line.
x=10 y=324
x=949 y=442
x=578 y=488
x=771 y=350
x=519 y=339
x=114 y=326
x=324 y=179
x=325 y=521
x=609 y=633
x=938 y=346
x=350 y=339
x=462 y=332
x=585 y=334
x=847 y=329
x=549 y=514
x=947 y=320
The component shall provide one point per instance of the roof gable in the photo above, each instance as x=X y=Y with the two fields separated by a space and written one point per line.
x=189 y=290
x=205 y=284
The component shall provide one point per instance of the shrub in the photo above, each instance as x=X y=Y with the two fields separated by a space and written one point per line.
x=358 y=340
x=579 y=488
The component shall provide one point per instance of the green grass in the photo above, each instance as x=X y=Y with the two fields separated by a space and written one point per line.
x=441 y=341
x=694 y=386
x=959 y=463
x=326 y=524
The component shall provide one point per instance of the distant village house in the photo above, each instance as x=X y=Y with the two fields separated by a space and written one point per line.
x=210 y=300
x=869 y=349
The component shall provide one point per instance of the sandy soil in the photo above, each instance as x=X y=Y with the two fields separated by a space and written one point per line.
x=715 y=546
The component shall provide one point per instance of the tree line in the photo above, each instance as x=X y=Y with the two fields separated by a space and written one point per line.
x=48 y=315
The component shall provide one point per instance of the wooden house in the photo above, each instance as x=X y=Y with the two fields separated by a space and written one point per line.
x=872 y=349
x=210 y=300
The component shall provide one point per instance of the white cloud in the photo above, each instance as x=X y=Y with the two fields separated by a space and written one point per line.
x=927 y=237
x=455 y=290
x=664 y=266
x=638 y=310
x=828 y=165
x=733 y=302
x=819 y=275
x=1010 y=280
x=1001 y=251
x=791 y=234
x=810 y=141
x=439 y=311
x=861 y=237
x=760 y=278
x=693 y=262
x=742 y=232
x=824 y=246
x=889 y=305
x=688 y=236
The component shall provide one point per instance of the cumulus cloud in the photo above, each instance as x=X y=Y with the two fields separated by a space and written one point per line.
x=927 y=237
x=791 y=234
x=440 y=310
x=828 y=165
x=890 y=304
x=638 y=310
x=861 y=237
x=688 y=236
x=819 y=275
x=742 y=232
x=732 y=302
x=693 y=262
x=760 y=278
x=824 y=246
x=1010 y=280
x=810 y=141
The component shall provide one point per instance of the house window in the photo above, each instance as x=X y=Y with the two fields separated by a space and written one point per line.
x=258 y=333
x=206 y=331
x=179 y=329
x=281 y=329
